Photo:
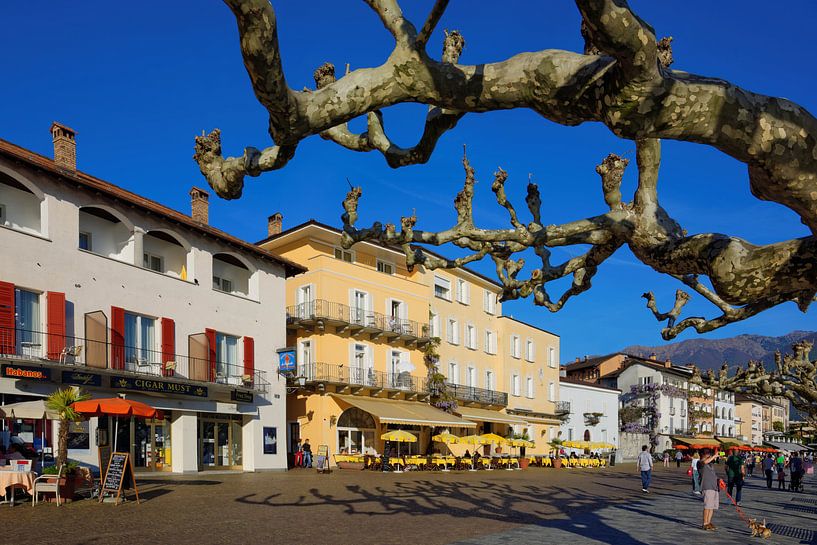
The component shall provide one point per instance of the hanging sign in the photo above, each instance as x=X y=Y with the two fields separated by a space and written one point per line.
x=241 y=397
x=287 y=361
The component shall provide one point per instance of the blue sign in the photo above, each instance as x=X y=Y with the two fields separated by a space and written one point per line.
x=81 y=379
x=287 y=361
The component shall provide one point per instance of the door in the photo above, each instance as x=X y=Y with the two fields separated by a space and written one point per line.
x=304 y=309
x=220 y=444
x=394 y=368
x=358 y=370
x=151 y=445
x=307 y=367
x=359 y=307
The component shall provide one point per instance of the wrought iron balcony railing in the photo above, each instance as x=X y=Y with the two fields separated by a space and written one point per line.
x=38 y=346
x=340 y=315
x=368 y=377
x=562 y=407
x=477 y=395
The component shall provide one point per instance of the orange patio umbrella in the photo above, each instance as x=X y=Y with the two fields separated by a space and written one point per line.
x=681 y=447
x=116 y=406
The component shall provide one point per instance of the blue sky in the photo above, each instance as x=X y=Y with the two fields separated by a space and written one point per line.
x=138 y=80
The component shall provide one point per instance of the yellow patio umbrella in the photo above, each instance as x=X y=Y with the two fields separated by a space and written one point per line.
x=473 y=440
x=494 y=439
x=399 y=436
x=521 y=443
x=447 y=439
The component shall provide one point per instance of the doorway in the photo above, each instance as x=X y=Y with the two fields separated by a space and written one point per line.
x=220 y=444
x=146 y=440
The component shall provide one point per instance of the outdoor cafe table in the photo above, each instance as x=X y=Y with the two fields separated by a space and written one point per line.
x=13 y=479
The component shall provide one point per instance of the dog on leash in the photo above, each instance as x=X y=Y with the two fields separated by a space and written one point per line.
x=759 y=530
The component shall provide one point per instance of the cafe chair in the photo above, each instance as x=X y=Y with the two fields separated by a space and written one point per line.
x=47 y=483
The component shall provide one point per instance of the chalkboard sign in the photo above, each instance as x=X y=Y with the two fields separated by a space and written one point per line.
x=322 y=459
x=119 y=476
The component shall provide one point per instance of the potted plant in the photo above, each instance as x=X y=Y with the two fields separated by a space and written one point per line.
x=61 y=402
x=556 y=444
x=68 y=481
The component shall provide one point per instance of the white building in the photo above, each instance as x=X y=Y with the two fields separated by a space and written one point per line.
x=658 y=387
x=106 y=289
x=592 y=412
x=725 y=414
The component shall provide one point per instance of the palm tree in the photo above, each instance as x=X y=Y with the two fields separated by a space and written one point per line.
x=60 y=402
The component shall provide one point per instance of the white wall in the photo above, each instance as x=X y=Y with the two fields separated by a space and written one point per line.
x=22 y=209
x=93 y=282
x=174 y=257
x=588 y=399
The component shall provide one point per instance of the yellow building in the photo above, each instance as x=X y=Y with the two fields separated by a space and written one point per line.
x=360 y=322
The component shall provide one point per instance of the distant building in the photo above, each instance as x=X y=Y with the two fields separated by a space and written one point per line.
x=592 y=412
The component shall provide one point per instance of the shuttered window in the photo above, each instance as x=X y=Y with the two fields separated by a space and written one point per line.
x=117 y=338
x=7 y=318
x=55 y=323
x=168 y=347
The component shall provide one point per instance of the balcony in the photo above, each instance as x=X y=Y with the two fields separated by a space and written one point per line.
x=477 y=395
x=562 y=408
x=344 y=375
x=66 y=352
x=320 y=313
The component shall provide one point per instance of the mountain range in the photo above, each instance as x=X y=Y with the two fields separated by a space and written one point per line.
x=711 y=354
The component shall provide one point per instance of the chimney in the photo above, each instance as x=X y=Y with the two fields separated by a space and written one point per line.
x=275 y=224
x=653 y=357
x=586 y=358
x=65 y=146
x=578 y=359
x=199 y=206
x=668 y=364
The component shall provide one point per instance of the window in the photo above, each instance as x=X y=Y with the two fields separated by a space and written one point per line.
x=305 y=359
x=463 y=292
x=453 y=331
x=489 y=380
x=490 y=342
x=529 y=388
x=433 y=324
x=361 y=365
x=222 y=284
x=471 y=377
x=515 y=384
x=570 y=434
x=227 y=356
x=551 y=392
x=515 y=346
x=442 y=288
x=140 y=340
x=27 y=322
x=85 y=242
x=360 y=307
x=2 y=214
x=489 y=302
x=152 y=262
x=645 y=380
x=471 y=337
x=552 y=357
x=453 y=373
x=344 y=255
x=384 y=267
x=530 y=352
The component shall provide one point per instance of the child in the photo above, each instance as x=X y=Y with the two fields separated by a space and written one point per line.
x=781 y=479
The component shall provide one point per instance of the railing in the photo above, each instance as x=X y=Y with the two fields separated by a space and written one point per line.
x=672 y=411
x=356 y=376
x=20 y=344
x=320 y=309
x=562 y=407
x=479 y=395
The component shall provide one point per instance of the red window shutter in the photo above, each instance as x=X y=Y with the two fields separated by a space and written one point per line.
x=168 y=345
x=55 y=324
x=211 y=340
x=249 y=357
x=7 y=318
x=117 y=338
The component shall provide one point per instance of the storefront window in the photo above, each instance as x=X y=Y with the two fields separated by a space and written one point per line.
x=356 y=432
x=220 y=441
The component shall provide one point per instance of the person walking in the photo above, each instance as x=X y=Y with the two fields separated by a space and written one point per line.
x=781 y=461
x=696 y=476
x=644 y=464
x=735 y=474
x=709 y=487
x=781 y=478
x=678 y=458
x=666 y=458
x=750 y=464
x=307 y=448
x=797 y=472
x=768 y=465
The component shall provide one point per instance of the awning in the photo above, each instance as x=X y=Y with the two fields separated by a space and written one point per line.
x=789 y=447
x=486 y=415
x=733 y=441
x=28 y=410
x=690 y=441
x=410 y=413
x=538 y=420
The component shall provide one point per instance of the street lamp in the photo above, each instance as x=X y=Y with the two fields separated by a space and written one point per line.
x=298 y=383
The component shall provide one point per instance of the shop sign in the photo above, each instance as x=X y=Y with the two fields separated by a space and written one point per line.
x=159 y=386
x=286 y=360
x=23 y=372
x=81 y=379
x=242 y=397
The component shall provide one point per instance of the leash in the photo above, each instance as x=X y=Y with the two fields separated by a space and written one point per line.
x=722 y=486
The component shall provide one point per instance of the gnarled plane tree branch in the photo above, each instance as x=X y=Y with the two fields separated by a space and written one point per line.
x=623 y=80
x=794 y=377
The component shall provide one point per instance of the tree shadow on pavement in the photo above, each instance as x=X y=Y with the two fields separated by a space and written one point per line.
x=572 y=511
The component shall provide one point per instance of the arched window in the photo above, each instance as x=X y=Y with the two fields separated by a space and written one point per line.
x=21 y=205
x=166 y=253
x=587 y=435
x=730 y=414
x=104 y=232
x=356 y=432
